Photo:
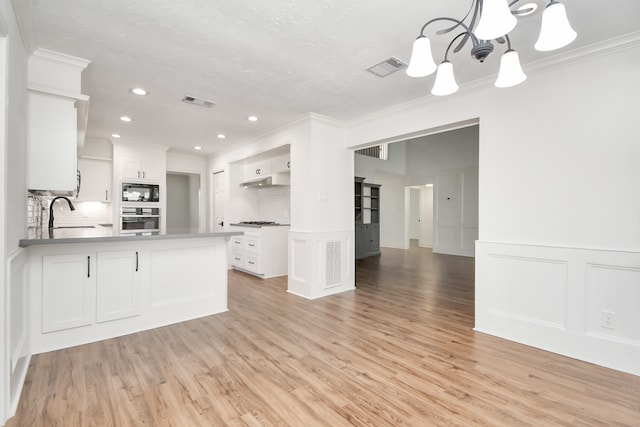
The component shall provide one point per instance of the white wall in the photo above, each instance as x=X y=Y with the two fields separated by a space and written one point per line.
x=14 y=352
x=558 y=170
x=321 y=246
x=426 y=224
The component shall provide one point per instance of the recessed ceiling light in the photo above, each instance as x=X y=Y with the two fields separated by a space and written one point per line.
x=428 y=185
x=252 y=118
x=139 y=91
x=125 y=118
x=115 y=135
x=531 y=6
x=197 y=147
x=221 y=136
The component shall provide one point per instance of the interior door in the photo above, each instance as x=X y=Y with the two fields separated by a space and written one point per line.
x=218 y=201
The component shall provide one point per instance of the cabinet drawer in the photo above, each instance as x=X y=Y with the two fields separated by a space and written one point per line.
x=237 y=259
x=252 y=263
x=252 y=244
x=237 y=242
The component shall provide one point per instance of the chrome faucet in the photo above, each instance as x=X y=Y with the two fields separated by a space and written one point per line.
x=51 y=209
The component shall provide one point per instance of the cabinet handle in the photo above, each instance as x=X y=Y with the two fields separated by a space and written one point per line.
x=289 y=165
x=144 y=174
x=251 y=262
x=88 y=266
x=138 y=174
x=251 y=244
x=136 y=260
x=106 y=195
x=236 y=258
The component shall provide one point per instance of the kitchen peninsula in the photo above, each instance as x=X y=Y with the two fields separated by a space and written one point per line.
x=90 y=284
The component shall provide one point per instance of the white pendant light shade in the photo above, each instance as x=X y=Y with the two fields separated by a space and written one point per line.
x=421 y=63
x=510 y=73
x=495 y=21
x=445 y=83
x=556 y=32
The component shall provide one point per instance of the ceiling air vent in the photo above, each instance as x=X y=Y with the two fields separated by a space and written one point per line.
x=198 y=101
x=386 y=67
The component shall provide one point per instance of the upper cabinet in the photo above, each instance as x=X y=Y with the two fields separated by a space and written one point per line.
x=265 y=167
x=282 y=163
x=141 y=169
x=57 y=118
x=95 y=180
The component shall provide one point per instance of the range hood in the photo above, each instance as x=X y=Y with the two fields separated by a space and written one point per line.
x=273 y=180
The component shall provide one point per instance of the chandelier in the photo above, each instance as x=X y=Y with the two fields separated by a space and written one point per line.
x=490 y=21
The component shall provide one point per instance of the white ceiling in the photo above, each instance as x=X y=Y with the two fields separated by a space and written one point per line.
x=276 y=59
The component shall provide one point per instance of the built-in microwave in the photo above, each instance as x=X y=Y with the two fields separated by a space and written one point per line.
x=135 y=192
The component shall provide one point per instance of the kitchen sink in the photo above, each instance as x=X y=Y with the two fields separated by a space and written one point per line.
x=75 y=226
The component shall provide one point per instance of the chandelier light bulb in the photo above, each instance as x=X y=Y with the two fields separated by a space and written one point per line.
x=445 y=83
x=421 y=63
x=495 y=21
x=510 y=73
x=556 y=31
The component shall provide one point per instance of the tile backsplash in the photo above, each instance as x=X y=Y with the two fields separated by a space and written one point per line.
x=86 y=213
x=274 y=204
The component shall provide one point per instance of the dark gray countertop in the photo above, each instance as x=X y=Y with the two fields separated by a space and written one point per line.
x=258 y=225
x=106 y=234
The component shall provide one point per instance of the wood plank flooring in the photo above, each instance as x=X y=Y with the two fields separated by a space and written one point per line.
x=397 y=351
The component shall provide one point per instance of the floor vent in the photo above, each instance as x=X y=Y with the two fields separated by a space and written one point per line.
x=386 y=67
x=333 y=271
x=198 y=101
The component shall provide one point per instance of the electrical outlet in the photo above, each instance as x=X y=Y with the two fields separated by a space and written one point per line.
x=608 y=319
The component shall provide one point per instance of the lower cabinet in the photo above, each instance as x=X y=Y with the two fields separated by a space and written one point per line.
x=367 y=240
x=86 y=292
x=262 y=251
x=68 y=291
x=80 y=289
x=118 y=292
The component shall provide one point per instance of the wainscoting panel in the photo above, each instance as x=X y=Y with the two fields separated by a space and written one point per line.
x=607 y=313
x=17 y=319
x=530 y=289
x=321 y=263
x=582 y=303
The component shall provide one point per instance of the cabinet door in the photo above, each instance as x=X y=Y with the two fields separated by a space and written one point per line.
x=374 y=238
x=53 y=143
x=118 y=290
x=362 y=236
x=68 y=291
x=131 y=169
x=282 y=163
x=95 y=184
x=151 y=170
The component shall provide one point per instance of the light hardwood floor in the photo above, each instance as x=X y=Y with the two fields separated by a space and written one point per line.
x=399 y=350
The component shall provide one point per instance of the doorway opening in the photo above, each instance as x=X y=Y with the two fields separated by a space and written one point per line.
x=443 y=216
x=183 y=201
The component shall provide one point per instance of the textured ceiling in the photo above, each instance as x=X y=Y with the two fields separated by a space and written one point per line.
x=276 y=59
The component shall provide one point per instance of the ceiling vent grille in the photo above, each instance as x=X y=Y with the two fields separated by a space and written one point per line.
x=386 y=67
x=198 y=101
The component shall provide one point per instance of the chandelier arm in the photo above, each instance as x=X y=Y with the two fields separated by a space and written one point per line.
x=508 y=42
x=460 y=23
x=513 y=2
x=448 y=30
x=446 y=53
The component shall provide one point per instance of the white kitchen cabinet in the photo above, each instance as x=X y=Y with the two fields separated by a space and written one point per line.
x=282 y=163
x=118 y=285
x=258 y=169
x=68 y=291
x=53 y=140
x=141 y=169
x=95 y=180
x=262 y=251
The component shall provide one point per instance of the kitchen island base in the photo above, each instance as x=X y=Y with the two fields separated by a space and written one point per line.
x=87 y=292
